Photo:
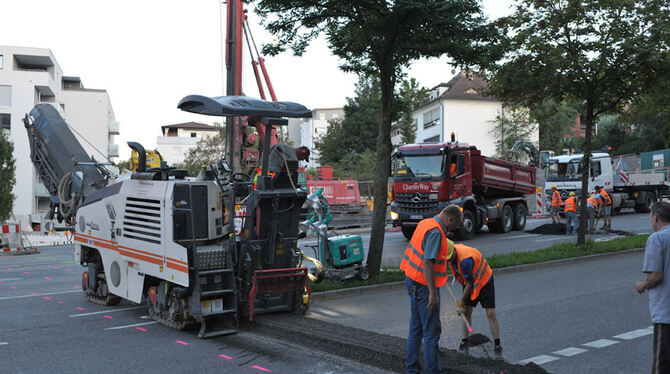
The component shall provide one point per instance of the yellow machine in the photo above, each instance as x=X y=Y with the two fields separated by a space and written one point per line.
x=153 y=160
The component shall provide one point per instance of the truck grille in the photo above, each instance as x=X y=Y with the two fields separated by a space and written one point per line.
x=417 y=202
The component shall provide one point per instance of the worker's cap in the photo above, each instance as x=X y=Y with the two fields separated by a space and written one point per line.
x=597 y=188
x=572 y=194
x=450 y=251
x=553 y=186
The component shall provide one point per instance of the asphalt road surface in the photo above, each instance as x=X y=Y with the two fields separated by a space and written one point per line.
x=580 y=317
x=46 y=325
x=516 y=241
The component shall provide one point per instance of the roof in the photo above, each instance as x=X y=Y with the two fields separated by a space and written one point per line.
x=190 y=126
x=464 y=86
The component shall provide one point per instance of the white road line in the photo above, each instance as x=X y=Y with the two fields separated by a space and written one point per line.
x=539 y=360
x=634 y=334
x=609 y=238
x=569 y=352
x=128 y=326
x=601 y=343
x=106 y=311
x=555 y=238
x=38 y=295
x=10 y=279
x=4 y=343
x=521 y=236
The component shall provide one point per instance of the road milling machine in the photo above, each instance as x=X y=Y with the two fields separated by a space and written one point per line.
x=161 y=237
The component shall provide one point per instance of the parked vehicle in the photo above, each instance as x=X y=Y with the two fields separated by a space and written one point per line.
x=428 y=177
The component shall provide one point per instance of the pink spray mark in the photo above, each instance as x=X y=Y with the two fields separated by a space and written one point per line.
x=68 y=269
x=47 y=298
x=470 y=329
x=141 y=329
x=109 y=317
x=59 y=302
x=26 y=272
x=181 y=342
x=261 y=368
x=80 y=308
x=77 y=286
x=47 y=278
x=226 y=357
x=0 y=282
x=34 y=293
x=12 y=287
x=10 y=269
x=56 y=267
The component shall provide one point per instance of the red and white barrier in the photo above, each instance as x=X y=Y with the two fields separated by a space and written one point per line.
x=11 y=240
x=10 y=229
x=538 y=201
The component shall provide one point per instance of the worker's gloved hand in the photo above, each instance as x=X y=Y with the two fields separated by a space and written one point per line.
x=461 y=307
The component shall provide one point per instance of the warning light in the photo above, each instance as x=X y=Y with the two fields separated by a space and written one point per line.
x=453 y=136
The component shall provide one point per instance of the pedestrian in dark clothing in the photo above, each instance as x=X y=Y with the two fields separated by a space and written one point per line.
x=657 y=268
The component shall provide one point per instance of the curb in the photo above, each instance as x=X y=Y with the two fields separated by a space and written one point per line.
x=354 y=291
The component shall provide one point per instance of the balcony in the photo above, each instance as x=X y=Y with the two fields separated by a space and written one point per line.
x=113 y=150
x=41 y=191
x=114 y=128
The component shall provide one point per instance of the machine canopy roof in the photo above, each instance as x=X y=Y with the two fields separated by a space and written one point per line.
x=242 y=106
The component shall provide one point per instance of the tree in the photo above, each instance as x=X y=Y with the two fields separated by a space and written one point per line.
x=411 y=96
x=553 y=121
x=379 y=38
x=122 y=165
x=7 y=177
x=513 y=124
x=207 y=151
x=598 y=53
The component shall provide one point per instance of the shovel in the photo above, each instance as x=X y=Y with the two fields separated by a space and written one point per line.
x=474 y=339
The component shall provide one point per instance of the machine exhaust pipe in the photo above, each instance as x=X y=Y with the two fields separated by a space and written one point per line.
x=141 y=156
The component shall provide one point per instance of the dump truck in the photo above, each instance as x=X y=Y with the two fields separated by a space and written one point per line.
x=427 y=177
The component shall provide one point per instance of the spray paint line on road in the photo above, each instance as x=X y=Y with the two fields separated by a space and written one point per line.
x=24 y=296
x=262 y=369
x=141 y=329
x=105 y=311
x=181 y=342
x=226 y=357
x=129 y=326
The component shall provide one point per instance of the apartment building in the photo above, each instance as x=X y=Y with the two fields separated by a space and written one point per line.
x=312 y=129
x=179 y=138
x=30 y=76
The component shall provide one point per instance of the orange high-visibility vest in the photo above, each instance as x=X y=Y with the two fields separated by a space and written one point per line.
x=607 y=200
x=593 y=201
x=412 y=261
x=481 y=271
x=556 y=199
x=570 y=204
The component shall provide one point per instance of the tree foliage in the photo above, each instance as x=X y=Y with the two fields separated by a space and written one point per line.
x=410 y=97
x=123 y=165
x=207 y=151
x=379 y=38
x=7 y=177
x=553 y=119
x=598 y=53
x=514 y=124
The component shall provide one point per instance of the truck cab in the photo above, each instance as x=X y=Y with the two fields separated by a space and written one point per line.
x=566 y=173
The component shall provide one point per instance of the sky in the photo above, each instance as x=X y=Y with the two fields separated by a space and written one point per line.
x=149 y=54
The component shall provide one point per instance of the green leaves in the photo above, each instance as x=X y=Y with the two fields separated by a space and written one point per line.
x=7 y=177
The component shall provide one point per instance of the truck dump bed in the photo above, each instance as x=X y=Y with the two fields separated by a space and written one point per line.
x=499 y=177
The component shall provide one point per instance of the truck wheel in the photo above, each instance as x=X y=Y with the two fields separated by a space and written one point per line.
x=506 y=222
x=519 y=217
x=647 y=201
x=467 y=231
x=408 y=231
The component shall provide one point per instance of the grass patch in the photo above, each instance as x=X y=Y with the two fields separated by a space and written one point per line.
x=555 y=252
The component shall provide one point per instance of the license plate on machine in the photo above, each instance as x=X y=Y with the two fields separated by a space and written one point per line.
x=415 y=217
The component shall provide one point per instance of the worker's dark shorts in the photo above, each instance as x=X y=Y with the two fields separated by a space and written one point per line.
x=661 y=348
x=487 y=296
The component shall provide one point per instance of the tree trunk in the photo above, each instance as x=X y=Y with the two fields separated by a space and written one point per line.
x=586 y=166
x=383 y=164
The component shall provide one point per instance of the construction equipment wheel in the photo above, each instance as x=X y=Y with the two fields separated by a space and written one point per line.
x=363 y=274
x=520 y=213
x=467 y=230
x=408 y=231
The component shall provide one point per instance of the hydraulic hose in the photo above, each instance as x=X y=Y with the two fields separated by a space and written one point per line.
x=319 y=268
x=67 y=204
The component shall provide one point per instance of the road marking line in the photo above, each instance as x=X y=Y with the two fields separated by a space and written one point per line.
x=634 y=334
x=609 y=238
x=4 y=343
x=554 y=239
x=106 y=311
x=44 y=294
x=601 y=343
x=521 y=236
x=128 y=326
x=569 y=352
x=539 y=360
x=10 y=279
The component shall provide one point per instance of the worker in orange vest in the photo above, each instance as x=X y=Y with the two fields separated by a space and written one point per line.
x=556 y=203
x=425 y=267
x=571 y=214
x=475 y=275
x=607 y=207
x=592 y=207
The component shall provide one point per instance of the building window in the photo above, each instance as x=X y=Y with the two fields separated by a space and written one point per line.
x=194 y=135
x=432 y=139
x=1 y=62
x=5 y=121
x=6 y=96
x=431 y=118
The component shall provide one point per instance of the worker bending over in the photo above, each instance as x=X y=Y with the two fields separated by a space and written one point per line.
x=571 y=221
x=606 y=207
x=475 y=275
x=556 y=203
x=592 y=208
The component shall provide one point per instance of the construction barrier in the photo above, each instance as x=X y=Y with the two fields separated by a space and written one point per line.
x=11 y=240
x=37 y=240
x=538 y=202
